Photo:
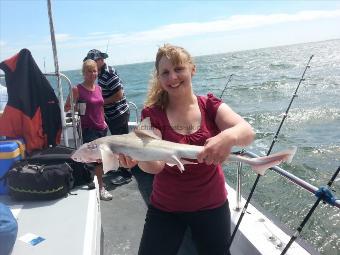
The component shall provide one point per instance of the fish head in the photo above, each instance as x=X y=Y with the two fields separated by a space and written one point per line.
x=87 y=153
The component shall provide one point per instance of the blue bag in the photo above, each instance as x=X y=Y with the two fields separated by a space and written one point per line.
x=8 y=230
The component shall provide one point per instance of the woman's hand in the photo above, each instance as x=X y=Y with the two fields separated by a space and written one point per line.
x=235 y=131
x=216 y=149
x=75 y=94
x=126 y=161
x=152 y=167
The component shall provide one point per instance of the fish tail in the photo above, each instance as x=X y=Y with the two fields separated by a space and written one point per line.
x=291 y=152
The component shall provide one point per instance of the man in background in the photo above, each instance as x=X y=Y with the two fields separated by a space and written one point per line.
x=116 y=108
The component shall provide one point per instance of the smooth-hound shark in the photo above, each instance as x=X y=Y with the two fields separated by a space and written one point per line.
x=144 y=145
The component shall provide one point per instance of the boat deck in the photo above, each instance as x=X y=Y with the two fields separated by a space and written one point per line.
x=68 y=225
x=122 y=218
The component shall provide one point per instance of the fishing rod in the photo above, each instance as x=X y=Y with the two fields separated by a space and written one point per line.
x=107 y=45
x=324 y=194
x=269 y=151
x=226 y=85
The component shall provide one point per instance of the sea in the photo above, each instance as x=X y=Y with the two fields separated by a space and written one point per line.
x=260 y=85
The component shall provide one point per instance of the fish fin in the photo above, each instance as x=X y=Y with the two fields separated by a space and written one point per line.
x=177 y=162
x=109 y=159
x=145 y=129
x=187 y=162
x=262 y=169
x=184 y=162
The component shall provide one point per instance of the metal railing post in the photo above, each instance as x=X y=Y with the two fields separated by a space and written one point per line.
x=238 y=186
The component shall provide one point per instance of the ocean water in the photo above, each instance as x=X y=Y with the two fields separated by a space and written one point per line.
x=260 y=90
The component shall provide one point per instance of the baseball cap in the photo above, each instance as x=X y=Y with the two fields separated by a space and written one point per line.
x=95 y=54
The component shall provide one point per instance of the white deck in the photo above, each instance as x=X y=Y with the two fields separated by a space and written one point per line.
x=70 y=225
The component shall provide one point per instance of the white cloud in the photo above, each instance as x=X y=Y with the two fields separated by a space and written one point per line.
x=172 y=31
x=63 y=37
x=123 y=43
x=98 y=33
x=236 y=22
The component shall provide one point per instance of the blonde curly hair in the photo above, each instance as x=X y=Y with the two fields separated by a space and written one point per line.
x=177 y=55
x=88 y=65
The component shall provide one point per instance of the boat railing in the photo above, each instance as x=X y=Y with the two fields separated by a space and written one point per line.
x=69 y=120
x=3 y=97
x=133 y=122
x=291 y=177
x=238 y=185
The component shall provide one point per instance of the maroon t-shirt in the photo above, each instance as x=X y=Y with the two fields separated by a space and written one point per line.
x=94 y=114
x=200 y=186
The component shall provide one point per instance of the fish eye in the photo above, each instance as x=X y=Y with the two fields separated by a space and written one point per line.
x=92 y=146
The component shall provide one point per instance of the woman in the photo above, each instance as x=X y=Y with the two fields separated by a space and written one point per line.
x=196 y=198
x=93 y=122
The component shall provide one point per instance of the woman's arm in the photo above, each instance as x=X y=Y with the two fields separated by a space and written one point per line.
x=75 y=93
x=231 y=123
x=151 y=167
x=114 y=98
x=235 y=131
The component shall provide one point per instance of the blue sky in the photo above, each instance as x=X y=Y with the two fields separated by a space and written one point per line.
x=131 y=31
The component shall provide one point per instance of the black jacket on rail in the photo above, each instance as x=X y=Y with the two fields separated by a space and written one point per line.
x=32 y=110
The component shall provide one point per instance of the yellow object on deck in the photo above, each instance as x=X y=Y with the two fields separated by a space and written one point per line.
x=10 y=151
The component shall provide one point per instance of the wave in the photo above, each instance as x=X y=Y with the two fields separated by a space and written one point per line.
x=295 y=116
x=215 y=78
x=282 y=66
x=321 y=113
